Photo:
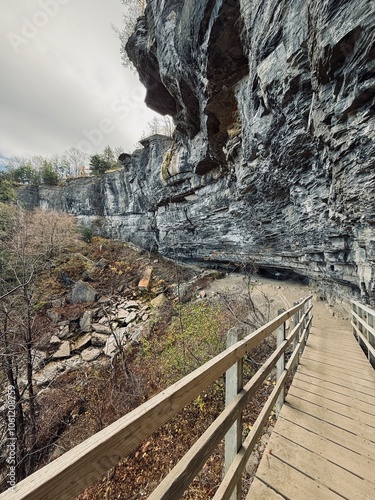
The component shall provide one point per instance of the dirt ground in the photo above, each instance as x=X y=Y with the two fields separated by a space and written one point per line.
x=274 y=294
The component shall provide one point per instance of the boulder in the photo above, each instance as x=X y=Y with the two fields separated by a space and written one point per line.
x=159 y=301
x=83 y=292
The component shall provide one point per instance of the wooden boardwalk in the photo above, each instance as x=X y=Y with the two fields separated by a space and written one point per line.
x=323 y=444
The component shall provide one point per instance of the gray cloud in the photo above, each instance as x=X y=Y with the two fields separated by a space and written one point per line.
x=62 y=82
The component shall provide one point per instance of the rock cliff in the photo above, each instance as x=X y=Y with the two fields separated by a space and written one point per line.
x=273 y=156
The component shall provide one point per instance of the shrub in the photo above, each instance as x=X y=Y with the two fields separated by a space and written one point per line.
x=194 y=337
x=87 y=233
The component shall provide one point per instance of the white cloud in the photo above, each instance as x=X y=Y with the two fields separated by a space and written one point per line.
x=62 y=78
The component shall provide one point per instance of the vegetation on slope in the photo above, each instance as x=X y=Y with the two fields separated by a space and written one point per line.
x=182 y=337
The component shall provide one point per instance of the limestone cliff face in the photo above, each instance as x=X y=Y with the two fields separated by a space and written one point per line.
x=273 y=156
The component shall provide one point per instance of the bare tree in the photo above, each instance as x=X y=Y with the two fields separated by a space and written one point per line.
x=75 y=162
x=133 y=10
x=28 y=241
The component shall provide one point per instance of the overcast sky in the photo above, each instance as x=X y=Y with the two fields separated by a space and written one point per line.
x=62 y=82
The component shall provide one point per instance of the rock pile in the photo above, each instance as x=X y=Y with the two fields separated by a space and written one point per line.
x=97 y=333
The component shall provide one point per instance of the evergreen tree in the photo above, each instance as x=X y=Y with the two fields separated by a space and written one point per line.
x=99 y=165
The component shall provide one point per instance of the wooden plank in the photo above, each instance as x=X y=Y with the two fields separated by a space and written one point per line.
x=332 y=417
x=260 y=491
x=338 y=454
x=320 y=346
x=324 y=472
x=354 y=356
x=290 y=481
x=340 y=408
x=331 y=432
x=348 y=391
x=365 y=378
x=354 y=359
x=355 y=366
x=353 y=384
x=338 y=397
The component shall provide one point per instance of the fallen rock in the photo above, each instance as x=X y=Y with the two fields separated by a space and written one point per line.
x=102 y=263
x=104 y=300
x=111 y=346
x=98 y=339
x=64 y=333
x=82 y=342
x=83 y=292
x=136 y=333
x=144 y=284
x=131 y=304
x=58 y=302
x=48 y=373
x=63 y=351
x=121 y=314
x=52 y=370
x=98 y=328
x=38 y=358
x=90 y=354
x=86 y=321
x=159 y=301
x=55 y=340
x=54 y=316
x=131 y=317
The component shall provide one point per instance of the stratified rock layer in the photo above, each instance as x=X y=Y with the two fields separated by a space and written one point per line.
x=273 y=155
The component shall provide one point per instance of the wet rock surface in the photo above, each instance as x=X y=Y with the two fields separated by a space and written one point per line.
x=273 y=156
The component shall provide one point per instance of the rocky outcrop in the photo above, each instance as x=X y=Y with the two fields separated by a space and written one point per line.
x=273 y=156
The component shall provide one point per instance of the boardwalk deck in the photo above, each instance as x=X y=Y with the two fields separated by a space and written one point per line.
x=323 y=444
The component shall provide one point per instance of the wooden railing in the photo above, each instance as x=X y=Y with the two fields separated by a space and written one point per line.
x=78 y=468
x=363 y=328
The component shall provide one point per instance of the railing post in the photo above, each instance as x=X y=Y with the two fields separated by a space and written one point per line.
x=280 y=337
x=233 y=384
x=360 y=313
x=296 y=338
x=370 y=337
x=355 y=310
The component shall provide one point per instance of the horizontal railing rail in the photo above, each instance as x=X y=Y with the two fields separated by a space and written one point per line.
x=363 y=328
x=70 y=474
